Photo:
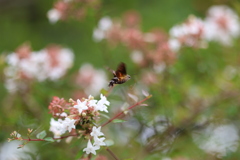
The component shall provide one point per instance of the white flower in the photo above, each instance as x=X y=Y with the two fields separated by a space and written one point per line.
x=63 y=114
x=54 y=15
x=60 y=126
x=137 y=56
x=57 y=128
x=221 y=25
x=81 y=106
x=92 y=103
x=12 y=59
x=98 y=35
x=96 y=132
x=69 y=124
x=99 y=142
x=101 y=104
x=174 y=44
x=90 y=148
x=105 y=23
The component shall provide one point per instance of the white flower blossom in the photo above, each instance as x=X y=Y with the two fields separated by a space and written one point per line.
x=63 y=114
x=174 y=44
x=98 y=35
x=221 y=25
x=101 y=104
x=57 y=128
x=60 y=126
x=137 y=56
x=81 y=106
x=96 y=132
x=92 y=103
x=104 y=25
x=99 y=142
x=69 y=124
x=90 y=148
x=54 y=15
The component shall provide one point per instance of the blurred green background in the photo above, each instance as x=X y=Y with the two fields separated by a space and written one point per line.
x=191 y=82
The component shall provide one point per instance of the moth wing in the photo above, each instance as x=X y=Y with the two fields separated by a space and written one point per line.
x=114 y=73
x=121 y=70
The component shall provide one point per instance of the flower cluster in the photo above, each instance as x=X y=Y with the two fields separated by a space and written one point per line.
x=91 y=148
x=91 y=80
x=25 y=65
x=78 y=117
x=221 y=25
x=150 y=48
x=64 y=9
x=189 y=34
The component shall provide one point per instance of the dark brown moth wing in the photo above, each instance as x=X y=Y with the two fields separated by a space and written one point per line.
x=121 y=70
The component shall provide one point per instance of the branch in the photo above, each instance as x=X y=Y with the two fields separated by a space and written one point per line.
x=122 y=112
x=29 y=139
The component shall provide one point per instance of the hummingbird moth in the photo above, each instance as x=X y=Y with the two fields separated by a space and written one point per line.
x=120 y=75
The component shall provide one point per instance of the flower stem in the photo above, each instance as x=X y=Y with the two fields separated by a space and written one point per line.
x=122 y=112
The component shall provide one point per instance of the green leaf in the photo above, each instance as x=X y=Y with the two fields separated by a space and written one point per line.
x=109 y=142
x=41 y=135
x=104 y=92
x=104 y=115
x=118 y=121
x=49 y=139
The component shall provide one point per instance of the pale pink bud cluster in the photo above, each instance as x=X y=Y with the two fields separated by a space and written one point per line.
x=15 y=134
x=57 y=107
x=147 y=48
x=25 y=65
x=65 y=9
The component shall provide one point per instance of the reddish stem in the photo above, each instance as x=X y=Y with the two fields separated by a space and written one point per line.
x=45 y=140
x=122 y=112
